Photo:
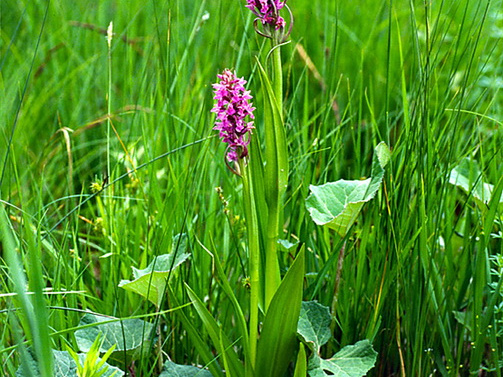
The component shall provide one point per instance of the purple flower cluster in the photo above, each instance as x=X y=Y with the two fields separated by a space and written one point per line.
x=232 y=107
x=268 y=12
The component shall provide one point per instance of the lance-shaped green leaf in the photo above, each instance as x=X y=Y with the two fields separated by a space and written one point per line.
x=337 y=204
x=151 y=281
x=238 y=310
x=256 y=169
x=276 y=154
x=65 y=366
x=130 y=336
x=171 y=369
x=314 y=325
x=352 y=361
x=276 y=346
x=275 y=179
x=200 y=344
x=33 y=307
x=468 y=177
x=220 y=341
x=301 y=363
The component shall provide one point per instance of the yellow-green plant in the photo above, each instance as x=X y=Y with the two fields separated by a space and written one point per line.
x=92 y=365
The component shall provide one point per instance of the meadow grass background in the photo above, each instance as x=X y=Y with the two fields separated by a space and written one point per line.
x=422 y=260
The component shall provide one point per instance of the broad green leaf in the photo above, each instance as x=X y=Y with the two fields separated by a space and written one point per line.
x=314 y=324
x=65 y=366
x=337 y=204
x=314 y=330
x=287 y=245
x=463 y=319
x=151 y=281
x=277 y=342
x=468 y=177
x=171 y=369
x=132 y=336
x=352 y=361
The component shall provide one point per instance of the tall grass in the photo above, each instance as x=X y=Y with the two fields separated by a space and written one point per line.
x=419 y=270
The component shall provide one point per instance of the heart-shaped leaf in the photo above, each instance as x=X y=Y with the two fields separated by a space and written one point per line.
x=132 y=336
x=337 y=204
x=351 y=361
x=151 y=281
x=468 y=177
x=314 y=330
x=171 y=369
x=314 y=324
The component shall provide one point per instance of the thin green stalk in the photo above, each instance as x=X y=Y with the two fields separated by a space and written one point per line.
x=277 y=78
x=273 y=278
x=254 y=264
x=109 y=93
x=107 y=215
x=340 y=263
x=277 y=179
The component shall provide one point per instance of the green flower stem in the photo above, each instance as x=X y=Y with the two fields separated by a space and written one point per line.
x=277 y=79
x=254 y=264
x=277 y=160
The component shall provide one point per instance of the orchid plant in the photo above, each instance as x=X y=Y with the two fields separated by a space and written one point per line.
x=275 y=300
x=264 y=185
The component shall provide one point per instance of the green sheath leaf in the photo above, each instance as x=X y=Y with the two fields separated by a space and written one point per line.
x=277 y=342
